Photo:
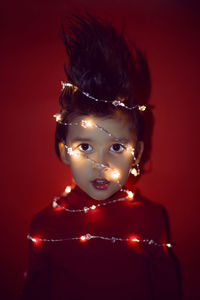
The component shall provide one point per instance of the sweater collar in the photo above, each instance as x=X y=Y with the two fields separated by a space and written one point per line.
x=78 y=198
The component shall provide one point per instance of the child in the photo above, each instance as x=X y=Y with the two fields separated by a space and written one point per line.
x=99 y=240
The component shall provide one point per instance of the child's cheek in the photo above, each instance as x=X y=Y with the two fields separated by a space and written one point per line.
x=80 y=169
x=124 y=163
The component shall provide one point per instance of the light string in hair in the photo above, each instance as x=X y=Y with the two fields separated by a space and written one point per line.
x=116 y=102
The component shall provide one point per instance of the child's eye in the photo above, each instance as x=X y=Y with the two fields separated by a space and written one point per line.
x=117 y=148
x=85 y=148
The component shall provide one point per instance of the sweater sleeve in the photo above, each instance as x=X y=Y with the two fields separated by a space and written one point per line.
x=164 y=266
x=37 y=284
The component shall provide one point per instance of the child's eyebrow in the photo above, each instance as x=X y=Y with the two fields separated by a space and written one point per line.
x=117 y=140
x=80 y=139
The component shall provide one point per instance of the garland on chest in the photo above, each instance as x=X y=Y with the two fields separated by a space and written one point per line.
x=86 y=237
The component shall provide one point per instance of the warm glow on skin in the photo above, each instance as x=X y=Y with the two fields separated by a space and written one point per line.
x=101 y=148
x=87 y=123
x=115 y=174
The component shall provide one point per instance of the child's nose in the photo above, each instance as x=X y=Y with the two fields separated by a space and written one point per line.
x=102 y=160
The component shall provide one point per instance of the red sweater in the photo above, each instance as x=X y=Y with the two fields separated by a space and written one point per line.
x=96 y=268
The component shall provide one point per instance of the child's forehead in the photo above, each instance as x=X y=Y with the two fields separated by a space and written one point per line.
x=116 y=125
x=113 y=119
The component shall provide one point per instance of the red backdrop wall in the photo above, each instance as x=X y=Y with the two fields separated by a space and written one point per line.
x=32 y=58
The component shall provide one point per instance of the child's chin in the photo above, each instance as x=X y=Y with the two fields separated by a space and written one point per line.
x=101 y=195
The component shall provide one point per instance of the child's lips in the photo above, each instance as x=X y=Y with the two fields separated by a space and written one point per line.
x=100 y=183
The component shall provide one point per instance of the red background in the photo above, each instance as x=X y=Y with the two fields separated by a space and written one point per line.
x=32 y=58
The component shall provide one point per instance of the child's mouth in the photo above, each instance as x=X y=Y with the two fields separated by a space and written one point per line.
x=100 y=184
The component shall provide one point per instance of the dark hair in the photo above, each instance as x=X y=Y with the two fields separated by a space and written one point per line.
x=101 y=64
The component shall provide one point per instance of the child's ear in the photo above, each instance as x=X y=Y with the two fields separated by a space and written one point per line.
x=63 y=153
x=140 y=149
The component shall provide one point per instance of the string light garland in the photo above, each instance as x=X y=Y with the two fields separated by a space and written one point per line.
x=88 y=236
x=113 y=239
x=116 y=102
x=129 y=196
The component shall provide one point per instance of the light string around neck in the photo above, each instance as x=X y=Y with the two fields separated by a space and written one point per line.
x=85 y=237
x=129 y=196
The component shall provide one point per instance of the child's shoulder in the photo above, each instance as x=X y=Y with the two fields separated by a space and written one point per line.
x=151 y=217
x=147 y=207
x=48 y=217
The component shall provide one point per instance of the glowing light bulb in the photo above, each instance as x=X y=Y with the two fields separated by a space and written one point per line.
x=134 y=172
x=58 y=117
x=86 y=209
x=130 y=195
x=115 y=174
x=83 y=238
x=61 y=145
x=142 y=107
x=68 y=189
x=64 y=84
x=93 y=207
x=69 y=151
x=54 y=204
x=134 y=239
x=131 y=149
x=35 y=240
x=86 y=237
x=86 y=124
x=68 y=84
x=169 y=245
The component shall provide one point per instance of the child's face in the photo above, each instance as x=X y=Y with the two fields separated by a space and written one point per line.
x=96 y=148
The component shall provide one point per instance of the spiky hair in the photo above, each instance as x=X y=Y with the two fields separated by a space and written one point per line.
x=101 y=64
x=99 y=59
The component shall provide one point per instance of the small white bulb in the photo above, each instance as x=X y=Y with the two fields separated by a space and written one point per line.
x=58 y=117
x=68 y=189
x=115 y=174
x=54 y=204
x=134 y=172
x=142 y=107
x=130 y=194
x=93 y=207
